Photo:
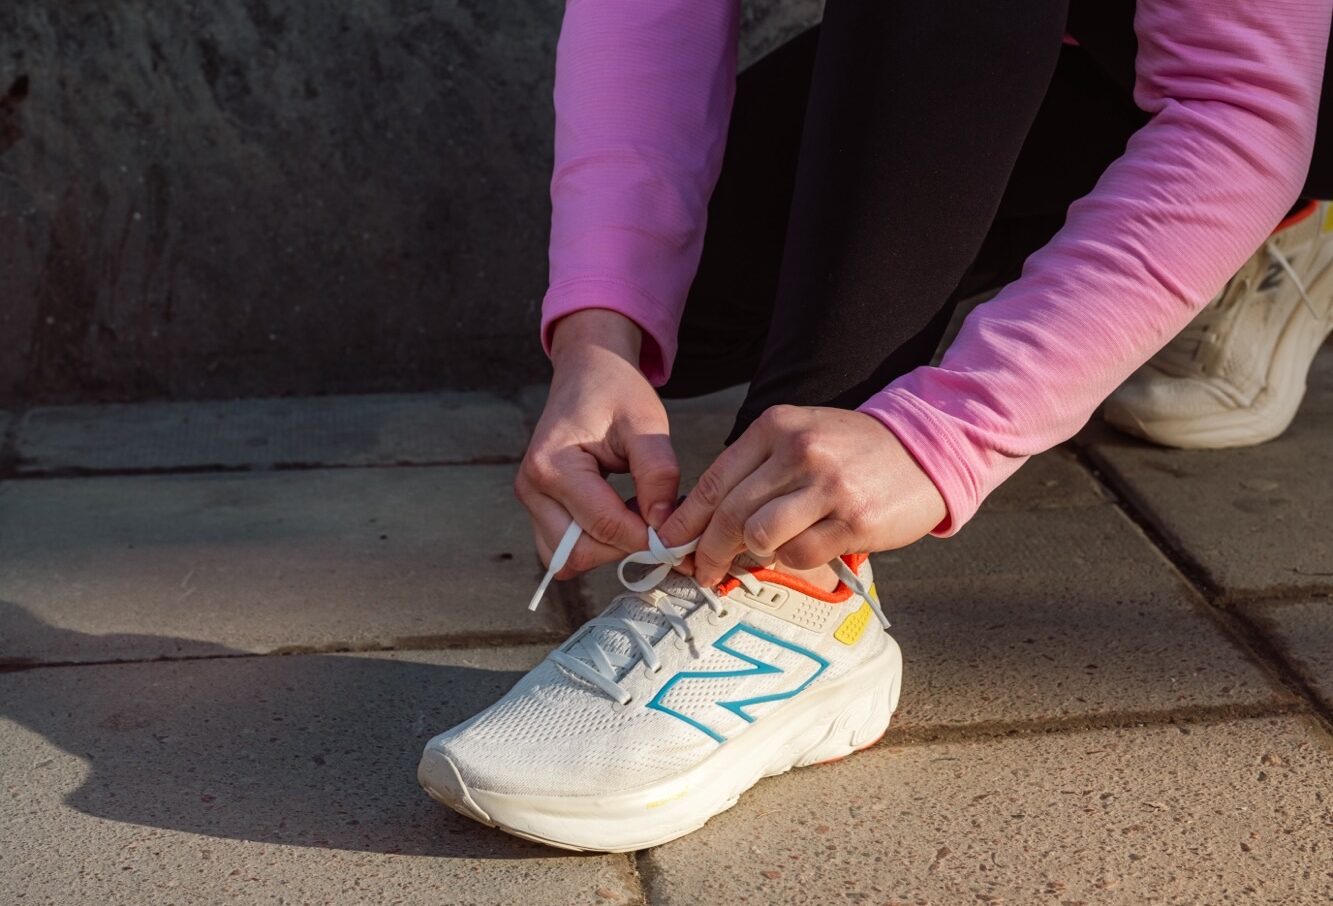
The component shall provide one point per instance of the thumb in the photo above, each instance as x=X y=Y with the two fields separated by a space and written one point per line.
x=652 y=465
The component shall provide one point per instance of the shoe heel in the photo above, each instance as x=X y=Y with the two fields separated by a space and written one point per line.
x=859 y=726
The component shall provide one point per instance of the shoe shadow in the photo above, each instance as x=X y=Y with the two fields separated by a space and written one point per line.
x=301 y=750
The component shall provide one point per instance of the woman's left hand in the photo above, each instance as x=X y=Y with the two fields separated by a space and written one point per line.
x=802 y=486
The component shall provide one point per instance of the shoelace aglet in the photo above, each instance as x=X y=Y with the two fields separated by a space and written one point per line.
x=559 y=557
x=853 y=581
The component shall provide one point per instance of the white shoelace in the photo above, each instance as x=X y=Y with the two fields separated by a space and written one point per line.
x=1281 y=259
x=597 y=669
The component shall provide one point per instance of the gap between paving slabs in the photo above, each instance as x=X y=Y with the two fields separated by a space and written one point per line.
x=1301 y=633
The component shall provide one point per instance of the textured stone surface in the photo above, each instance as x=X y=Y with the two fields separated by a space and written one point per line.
x=1303 y=632
x=257 y=197
x=1053 y=614
x=261 y=780
x=345 y=430
x=1255 y=519
x=1196 y=814
x=120 y=568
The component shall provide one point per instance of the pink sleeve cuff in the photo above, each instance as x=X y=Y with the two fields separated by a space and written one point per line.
x=658 y=322
x=942 y=450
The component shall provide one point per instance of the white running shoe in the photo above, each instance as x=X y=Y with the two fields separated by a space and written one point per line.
x=657 y=715
x=1236 y=375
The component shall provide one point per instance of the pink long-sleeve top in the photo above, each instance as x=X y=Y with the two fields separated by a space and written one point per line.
x=643 y=94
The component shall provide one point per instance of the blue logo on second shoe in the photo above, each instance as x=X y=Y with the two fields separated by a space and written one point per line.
x=797 y=681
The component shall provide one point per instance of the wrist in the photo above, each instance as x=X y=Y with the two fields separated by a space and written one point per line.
x=581 y=332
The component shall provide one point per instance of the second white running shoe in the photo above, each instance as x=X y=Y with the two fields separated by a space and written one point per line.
x=1236 y=375
x=658 y=714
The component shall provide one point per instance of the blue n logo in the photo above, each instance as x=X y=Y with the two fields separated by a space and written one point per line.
x=756 y=668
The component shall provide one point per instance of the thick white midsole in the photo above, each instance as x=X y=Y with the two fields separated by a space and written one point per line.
x=823 y=724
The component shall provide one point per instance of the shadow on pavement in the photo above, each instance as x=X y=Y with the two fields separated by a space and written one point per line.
x=302 y=750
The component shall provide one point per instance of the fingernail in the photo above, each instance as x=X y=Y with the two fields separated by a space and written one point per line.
x=659 y=514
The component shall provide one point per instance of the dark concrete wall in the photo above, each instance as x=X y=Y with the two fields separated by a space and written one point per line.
x=252 y=197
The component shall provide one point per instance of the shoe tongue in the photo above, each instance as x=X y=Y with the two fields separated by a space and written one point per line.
x=682 y=587
x=620 y=651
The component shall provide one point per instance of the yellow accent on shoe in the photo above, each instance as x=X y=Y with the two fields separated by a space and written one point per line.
x=1328 y=220
x=855 y=624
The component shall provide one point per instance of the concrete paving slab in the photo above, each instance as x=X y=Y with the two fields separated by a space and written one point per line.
x=343 y=430
x=1058 y=614
x=188 y=565
x=273 y=780
x=1303 y=632
x=1254 y=519
x=1192 y=814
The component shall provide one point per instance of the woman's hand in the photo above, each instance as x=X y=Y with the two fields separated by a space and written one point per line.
x=802 y=486
x=601 y=416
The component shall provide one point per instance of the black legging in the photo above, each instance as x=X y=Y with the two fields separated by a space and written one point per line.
x=879 y=168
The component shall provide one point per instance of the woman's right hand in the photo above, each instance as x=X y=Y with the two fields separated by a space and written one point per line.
x=601 y=416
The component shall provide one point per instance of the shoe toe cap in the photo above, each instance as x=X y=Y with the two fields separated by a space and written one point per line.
x=440 y=777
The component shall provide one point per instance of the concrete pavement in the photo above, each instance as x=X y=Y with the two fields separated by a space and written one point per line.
x=227 y=628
